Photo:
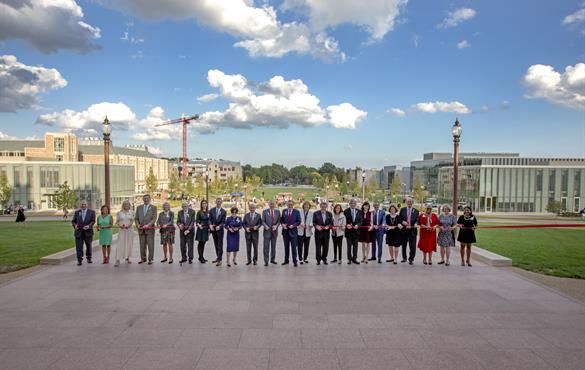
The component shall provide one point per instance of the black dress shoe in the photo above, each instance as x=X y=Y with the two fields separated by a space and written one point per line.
x=248 y=263
x=379 y=260
x=274 y=262
x=402 y=261
x=371 y=259
x=141 y=262
x=349 y=262
x=325 y=263
x=265 y=264
x=295 y=264
x=284 y=263
x=190 y=262
x=355 y=261
x=89 y=260
x=183 y=261
x=150 y=262
x=79 y=263
x=318 y=263
x=301 y=262
x=410 y=262
x=254 y=263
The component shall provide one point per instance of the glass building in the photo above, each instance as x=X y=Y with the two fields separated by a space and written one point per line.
x=515 y=184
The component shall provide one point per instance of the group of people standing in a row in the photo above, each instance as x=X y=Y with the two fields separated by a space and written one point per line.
x=363 y=226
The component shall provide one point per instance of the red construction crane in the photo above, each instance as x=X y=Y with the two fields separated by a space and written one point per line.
x=185 y=121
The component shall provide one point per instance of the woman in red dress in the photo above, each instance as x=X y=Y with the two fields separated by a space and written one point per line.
x=427 y=243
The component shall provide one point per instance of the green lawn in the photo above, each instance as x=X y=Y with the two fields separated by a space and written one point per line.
x=22 y=247
x=557 y=252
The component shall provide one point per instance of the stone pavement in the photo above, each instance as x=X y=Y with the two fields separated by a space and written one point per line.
x=375 y=316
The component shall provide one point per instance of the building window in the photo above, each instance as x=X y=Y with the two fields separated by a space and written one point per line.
x=576 y=205
x=49 y=177
x=551 y=180
x=577 y=184
x=59 y=158
x=59 y=144
x=538 y=180
x=564 y=182
x=16 y=177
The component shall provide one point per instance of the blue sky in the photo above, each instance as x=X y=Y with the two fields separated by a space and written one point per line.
x=512 y=72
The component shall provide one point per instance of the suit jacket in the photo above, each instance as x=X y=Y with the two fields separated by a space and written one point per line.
x=380 y=220
x=170 y=221
x=295 y=221
x=319 y=221
x=308 y=222
x=145 y=219
x=254 y=221
x=79 y=223
x=413 y=219
x=359 y=218
x=267 y=220
x=189 y=223
x=217 y=218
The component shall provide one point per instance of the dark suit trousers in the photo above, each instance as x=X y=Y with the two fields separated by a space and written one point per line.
x=303 y=247
x=218 y=242
x=186 y=245
x=377 y=241
x=270 y=246
x=352 y=244
x=83 y=238
x=409 y=238
x=146 y=239
x=321 y=247
x=252 y=242
x=290 y=244
x=337 y=246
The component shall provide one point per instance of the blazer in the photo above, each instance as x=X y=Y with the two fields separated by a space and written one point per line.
x=79 y=223
x=308 y=222
x=267 y=221
x=381 y=220
x=413 y=219
x=254 y=221
x=170 y=221
x=147 y=219
x=319 y=221
x=188 y=224
x=339 y=220
x=295 y=221
x=359 y=218
x=217 y=219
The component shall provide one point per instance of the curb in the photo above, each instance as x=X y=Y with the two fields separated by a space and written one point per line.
x=489 y=258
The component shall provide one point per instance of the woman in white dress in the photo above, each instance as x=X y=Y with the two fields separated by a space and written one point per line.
x=124 y=220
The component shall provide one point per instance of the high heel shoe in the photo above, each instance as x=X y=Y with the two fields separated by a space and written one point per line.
x=170 y=261
x=163 y=261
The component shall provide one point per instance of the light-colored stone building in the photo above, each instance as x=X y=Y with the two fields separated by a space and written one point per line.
x=218 y=169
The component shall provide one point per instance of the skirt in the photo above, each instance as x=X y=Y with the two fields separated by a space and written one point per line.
x=167 y=236
x=393 y=237
x=365 y=236
x=445 y=239
x=466 y=236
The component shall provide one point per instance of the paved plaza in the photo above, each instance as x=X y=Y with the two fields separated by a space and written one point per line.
x=375 y=316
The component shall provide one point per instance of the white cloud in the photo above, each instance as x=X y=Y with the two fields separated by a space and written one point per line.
x=576 y=17
x=128 y=35
x=463 y=44
x=263 y=34
x=456 y=17
x=48 y=25
x=274 y=103
x=440 y=106
x=4 y=136
x=505 y=105
x=567 y=88
x=20 y=84
x=148 y=130
x=207 y=98
x=155 y=150
x=89 y=121
x=397 y=112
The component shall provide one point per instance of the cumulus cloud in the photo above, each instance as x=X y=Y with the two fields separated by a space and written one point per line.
x=264 y=34
x=48 y=25
x=576 y=17
x=274 y=103
x=397 y=112
x=566 y=89
x=456 y=17
x=20 y=84
x=155 y=150
x=441 y=106
x=207 y=98
x=4 y=136
x=463 y=44
x=89 y=121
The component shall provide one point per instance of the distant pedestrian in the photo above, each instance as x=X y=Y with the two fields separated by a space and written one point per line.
x=20 y=217
x=467 y=224
x=65 y=213
x=104 y=227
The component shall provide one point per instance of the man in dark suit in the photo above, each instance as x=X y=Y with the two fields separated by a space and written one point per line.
x=322 y=220
x=252 y=222
x=217 y=217
x=271 y=222
x=186 y=224
x=290 y=220
x=354 y=219
x=378 y=230
x=83 y=221
x=409 y=217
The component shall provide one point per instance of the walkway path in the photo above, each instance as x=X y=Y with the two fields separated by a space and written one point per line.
x=376 y=316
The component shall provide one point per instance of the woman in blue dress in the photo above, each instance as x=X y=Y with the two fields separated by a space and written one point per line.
x=233 y=224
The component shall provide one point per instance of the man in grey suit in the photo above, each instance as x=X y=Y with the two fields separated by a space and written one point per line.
x=186 y=224
x=270 y=221
x=145 y=219
x=252 y=222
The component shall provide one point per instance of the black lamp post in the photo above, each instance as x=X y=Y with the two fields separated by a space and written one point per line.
x=363 y=186
x=107 y=130
x=456 y=131
x=207 y=187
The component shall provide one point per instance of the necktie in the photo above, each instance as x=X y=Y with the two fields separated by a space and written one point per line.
x=83 y=215
x=271 y=217
x=353 y=215
x=289 y=216
x=252 y=218
x=408 y=216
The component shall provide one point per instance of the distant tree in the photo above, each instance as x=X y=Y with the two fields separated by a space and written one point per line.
x=372 y=186
x=395 y=187
x=64 y=197
x=554 y=206
x=253 y=182
x=151 y=182
x=418 y=191
x=5 y=189
x=175 y=182
x=200 y=187
x=189 y=189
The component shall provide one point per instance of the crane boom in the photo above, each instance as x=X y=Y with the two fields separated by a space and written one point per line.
x=185 y=121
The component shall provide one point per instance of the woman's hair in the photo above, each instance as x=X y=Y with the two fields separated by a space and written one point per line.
x=335 y=208
x=201 y=205
x=469 y=208
x=393 y=206
x=166 y=204
x=234 y=209
x=106 y=207
x=306 y=203
x=446 y=206
x=126 y=202
x=365 y=204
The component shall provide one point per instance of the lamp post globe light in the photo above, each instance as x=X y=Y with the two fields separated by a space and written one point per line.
x=107 y=130
x=363 y=186
x=456 y=131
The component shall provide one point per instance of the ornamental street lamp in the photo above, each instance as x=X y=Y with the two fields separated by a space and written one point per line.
x=107 y=130
x=245 y=199
x=456 y=131
x=207 y=187
x=363 y=186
